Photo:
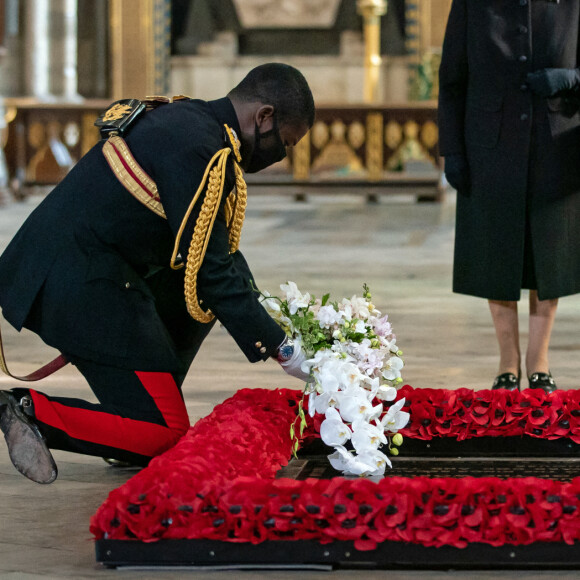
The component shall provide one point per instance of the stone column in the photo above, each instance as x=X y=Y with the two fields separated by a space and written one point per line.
x=37 y=49
x=70 y=56
x=93 y=49
x=371 y=11
x=64 y=49
x=139 y=47
x=4 y=192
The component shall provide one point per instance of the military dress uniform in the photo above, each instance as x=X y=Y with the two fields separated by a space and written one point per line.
x=518 y=222
x=108 y=271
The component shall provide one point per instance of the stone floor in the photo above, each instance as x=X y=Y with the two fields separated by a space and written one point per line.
x=402 y=249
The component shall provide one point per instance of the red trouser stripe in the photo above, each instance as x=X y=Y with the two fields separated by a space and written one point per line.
x=141 y=437
x=164 y=391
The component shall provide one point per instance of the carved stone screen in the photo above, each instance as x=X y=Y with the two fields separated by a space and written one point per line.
x=287 y=13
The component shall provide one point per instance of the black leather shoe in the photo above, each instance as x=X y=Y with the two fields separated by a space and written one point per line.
x=542 y=381
x=26 y=446
x=117 y=462
x=507 y=381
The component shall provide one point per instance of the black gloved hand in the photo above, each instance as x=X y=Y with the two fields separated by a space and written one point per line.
x=457 y=173
x=548 y=82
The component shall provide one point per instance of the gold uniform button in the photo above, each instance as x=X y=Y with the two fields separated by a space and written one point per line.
x=263 y=350
x=258 y=344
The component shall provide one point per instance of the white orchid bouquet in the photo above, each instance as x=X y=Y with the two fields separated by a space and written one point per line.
x=355 y=366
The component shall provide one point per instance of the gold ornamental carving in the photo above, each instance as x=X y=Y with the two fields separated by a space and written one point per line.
x=356 y=135
x=337 y=154
x=393 y=134
x=411 y=149
x=429 y=134
x=374 y=149
x=319 y=134
x=301 y=159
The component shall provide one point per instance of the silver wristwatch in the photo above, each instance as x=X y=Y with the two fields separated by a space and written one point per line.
x=285 y=350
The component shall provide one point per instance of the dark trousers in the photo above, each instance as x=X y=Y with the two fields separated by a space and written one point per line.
x=139 y=414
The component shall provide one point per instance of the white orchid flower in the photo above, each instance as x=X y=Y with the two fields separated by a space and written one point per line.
x=350 y=464
x=393 y=368
x=325 y=401
x=355 y=405
x=394 y=418
x=329 y=382
x=375 y=412
x=370 y=463
x=366 y=436
x=350 y=374
x=322 y=359
x=294 y=297
x=375 y=459
x=312 y=404
x=385 y=393
x=333 y=430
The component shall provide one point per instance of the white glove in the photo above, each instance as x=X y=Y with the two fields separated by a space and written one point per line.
x=291 y=356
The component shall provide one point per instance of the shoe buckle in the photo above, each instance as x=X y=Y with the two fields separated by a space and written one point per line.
x=26 y=402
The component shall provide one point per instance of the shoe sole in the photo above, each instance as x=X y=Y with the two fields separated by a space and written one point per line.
x=26 y=446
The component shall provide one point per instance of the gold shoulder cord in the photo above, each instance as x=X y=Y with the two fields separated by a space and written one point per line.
x=235 y=211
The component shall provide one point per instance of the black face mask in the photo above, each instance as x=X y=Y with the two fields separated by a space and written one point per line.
x=263 y=157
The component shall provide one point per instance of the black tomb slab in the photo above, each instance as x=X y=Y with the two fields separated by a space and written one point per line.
x=484 y=457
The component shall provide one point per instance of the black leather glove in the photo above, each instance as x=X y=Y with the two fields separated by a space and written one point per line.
x=457 y=173
x=551 y=81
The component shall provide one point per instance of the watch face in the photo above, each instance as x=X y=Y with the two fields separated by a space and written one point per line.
x=286 y=351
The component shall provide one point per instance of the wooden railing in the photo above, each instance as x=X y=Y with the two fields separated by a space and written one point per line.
x=372 y=150
x=368 y=149
x=45 y=140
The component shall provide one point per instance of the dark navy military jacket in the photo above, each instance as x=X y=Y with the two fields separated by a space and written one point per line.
x=89 y=269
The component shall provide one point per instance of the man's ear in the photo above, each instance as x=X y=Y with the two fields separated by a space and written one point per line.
x=265 y=117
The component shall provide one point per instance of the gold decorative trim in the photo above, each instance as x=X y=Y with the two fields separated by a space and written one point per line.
x=131 y=174
x=235 y=143
x=374 y=150
x=214 y=176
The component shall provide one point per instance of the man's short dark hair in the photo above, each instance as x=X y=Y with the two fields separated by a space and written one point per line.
x=282 y=86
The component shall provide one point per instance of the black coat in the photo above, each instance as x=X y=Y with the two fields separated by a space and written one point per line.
x=523 y=150
x=89 y=269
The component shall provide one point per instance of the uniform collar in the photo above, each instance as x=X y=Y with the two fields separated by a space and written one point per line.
x=225 y=113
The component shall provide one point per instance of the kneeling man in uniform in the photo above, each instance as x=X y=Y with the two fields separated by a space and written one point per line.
x=127 y=264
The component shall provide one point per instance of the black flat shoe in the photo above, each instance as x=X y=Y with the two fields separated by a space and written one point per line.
x=542 y=381
x=26 y=445
x=507 y=381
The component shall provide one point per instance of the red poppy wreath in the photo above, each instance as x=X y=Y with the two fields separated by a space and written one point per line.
x=219 y=481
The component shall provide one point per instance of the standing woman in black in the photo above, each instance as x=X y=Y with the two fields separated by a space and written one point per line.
x=510 y=134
